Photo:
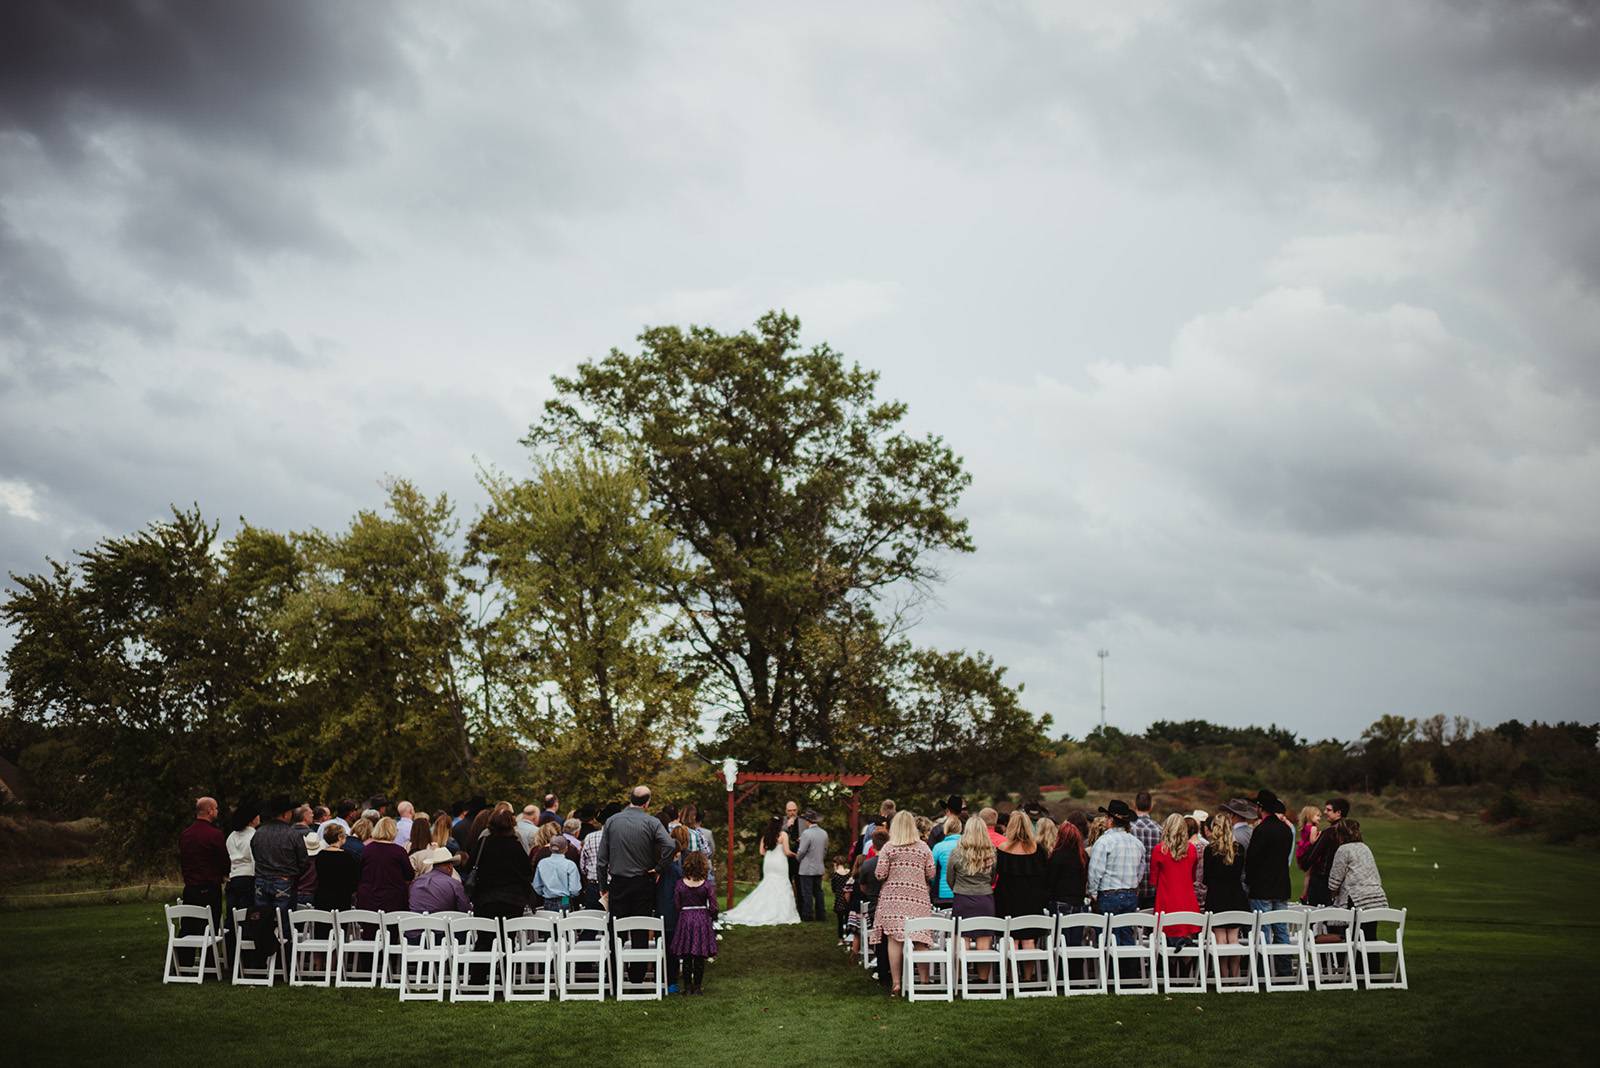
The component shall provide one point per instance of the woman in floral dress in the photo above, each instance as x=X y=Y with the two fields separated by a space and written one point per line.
x=904 y=868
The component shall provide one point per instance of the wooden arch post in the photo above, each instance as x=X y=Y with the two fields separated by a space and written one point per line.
x=732 y=778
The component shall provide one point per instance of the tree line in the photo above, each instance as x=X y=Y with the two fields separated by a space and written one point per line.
x=716 y=548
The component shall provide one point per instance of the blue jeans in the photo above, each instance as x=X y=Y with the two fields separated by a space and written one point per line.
x=1273 y=932
x=1114 y=902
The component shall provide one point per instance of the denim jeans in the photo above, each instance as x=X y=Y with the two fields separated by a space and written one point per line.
x=1273 y=932
x=276 y=893
x=812 y=905
x=1111 y=903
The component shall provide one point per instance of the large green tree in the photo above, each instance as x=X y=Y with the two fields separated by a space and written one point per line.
x=790 y=487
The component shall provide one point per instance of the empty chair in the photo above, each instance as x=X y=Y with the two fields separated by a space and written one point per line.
x=968 y=956
x=865 y=914
x=257 y=943
x=1332 y=948
x=652 y=986
x=359 y=937
x=313 y=947
x=583 y=948
x=475 y=951
x=1243 y=951
x=392 y=963
x=1132 y=966
x=1268 y=953
x=1041 y=931
x=187 y=953
x=1081 y=939
x=1183 y=967
x=937 y=957
x=1368 y=950
x=424 y=957
x=530 y=943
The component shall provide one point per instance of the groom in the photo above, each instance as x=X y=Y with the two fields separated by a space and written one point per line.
x=792 y=827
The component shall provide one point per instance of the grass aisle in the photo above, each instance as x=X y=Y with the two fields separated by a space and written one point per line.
x=1502 y=969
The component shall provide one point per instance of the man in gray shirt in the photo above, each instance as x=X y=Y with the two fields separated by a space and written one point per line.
x=635 y=846
x=813 y=856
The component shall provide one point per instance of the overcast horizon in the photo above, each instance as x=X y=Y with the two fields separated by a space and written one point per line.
x=1268 y=333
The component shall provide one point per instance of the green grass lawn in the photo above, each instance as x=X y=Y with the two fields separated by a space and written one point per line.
x=1502 y=961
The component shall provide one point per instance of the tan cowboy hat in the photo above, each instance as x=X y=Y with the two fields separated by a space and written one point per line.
x=438 y=855
x=314 y=844
x=1200 y=816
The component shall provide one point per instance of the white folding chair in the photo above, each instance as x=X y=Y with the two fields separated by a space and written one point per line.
x=1087 y=950
x=1243 y=951
x=969 y=956
x=467 y=934
x=1171 y=957
x=864 y=930
x=938 y=957
x=393 y=951
x=1141 y=953
x=1294 y=952
x=1333 y=962
x=1041 y=931
x=207 y=940
x=244 y=942
x=425 y=959
x=653 y=953
x=1367 y=949
x=360 y=939
x=313 y=947
x=531 y=949
x=579 y=952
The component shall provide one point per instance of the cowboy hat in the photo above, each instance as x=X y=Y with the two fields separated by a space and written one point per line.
x=438 y=855
x=314 y=844
x=1245 y=810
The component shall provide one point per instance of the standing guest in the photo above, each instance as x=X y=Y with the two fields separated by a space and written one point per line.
x=885 y=814
x=302 y=817
x=949 y=834
x=1148 y=831
x=792 y=828
x=203 y=860
x=1172 y=867
x=1020 y=885
x=589 y=858
x=442 y=833
x=360 y=833
x=345 y=814
x=952 y=811
x=571 y=830
x=866 y=867
x=666 y=898
x=991 y=819
x=378 y=804
x=1310 y=821
x=924 y=828
x=586 y=816
x=1045 y=832
x=694 y=899
x=548 y=832
x=461 y=813
x=556 y=882
x=668 y=816
x=635 y=847
x=280 y=856
x=1116 y=865
x=337 y=871
x=1319 y=858
x=528 y=827
x=1245 y=814
x=1353 y=879
x=402 y=826
x=1067 y=872
x=438 y=889
x=699 y=837
x=1199 y=821
x=241 y=862
x=812 y=857
x=1266 y=869
x=305 y=891
x=386 y=871
x=842 y=886
x=904 y=868
x=1097 y=826
x=1222 y=872
x=503 y=881
x=421 y=842
x=971 y=872
x=551 y=813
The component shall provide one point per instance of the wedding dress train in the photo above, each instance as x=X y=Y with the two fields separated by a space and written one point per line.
x=772 y=901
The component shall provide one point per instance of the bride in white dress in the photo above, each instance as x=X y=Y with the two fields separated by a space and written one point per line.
x=772 y=901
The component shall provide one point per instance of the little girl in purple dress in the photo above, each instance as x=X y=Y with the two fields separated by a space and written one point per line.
x=694 y=939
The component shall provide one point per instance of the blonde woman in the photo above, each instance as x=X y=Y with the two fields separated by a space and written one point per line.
x=941 y=858
x=1310 y=830
x=1021 y=887
x=386 y=872
x=1097 y=826
x=971 y=874
x=904 y=867
x=1222 y=871
x=1047 y=833
x=1172 y=865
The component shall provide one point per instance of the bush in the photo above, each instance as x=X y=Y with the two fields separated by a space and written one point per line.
x=1507 y=807
x=1077 y=788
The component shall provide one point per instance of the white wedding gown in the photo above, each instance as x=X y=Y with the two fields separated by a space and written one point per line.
x=772 y=901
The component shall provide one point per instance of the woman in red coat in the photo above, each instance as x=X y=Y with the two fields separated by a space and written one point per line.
x=1172 y=874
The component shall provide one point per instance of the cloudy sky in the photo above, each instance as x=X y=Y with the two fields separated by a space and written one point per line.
x=1270 y=332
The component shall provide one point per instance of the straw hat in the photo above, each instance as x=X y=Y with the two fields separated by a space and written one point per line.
x=438 y=855
x=314 y=844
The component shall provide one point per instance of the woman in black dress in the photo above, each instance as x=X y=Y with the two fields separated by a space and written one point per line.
x=1222 y=869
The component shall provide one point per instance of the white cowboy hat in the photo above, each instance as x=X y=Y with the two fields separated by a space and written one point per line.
x=438 y=855
x=314 y=844
x=1200 y=816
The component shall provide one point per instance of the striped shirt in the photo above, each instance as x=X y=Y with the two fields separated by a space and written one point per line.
x=1117 y=862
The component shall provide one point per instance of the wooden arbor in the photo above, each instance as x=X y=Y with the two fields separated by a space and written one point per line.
x=732 y=777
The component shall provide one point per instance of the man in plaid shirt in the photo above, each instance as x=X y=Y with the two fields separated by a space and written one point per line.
x=1148 y=832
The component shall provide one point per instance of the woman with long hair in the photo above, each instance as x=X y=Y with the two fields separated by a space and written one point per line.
x=1310 y=829
x=1172 y=864
x=943 y=897
x=1045 y=832
x=904 y=868
x=772 y=901
x=421 y=842
x=1222 y=871
x=1097 y=826
x=971 y=874
x=699 y=837
x=1020 y=886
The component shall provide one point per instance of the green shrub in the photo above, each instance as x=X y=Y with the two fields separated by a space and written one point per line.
x=1077 y=788
x=1507 y=807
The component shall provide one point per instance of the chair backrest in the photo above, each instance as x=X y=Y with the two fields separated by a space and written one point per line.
x=1394 y=916
x=177 y=914
x=435 y=926
x=624 y=924
x=1145 y=921
x=464 y=929
x=1296 y=919
x=307 y=919
x=1092 y=924
x=540 y=926
x=980 y=926
x=1042 y=928
x=590 y=914
x=363 y=916
x=569 y=927
x=1341 y=917
x=1181 y=919
x=1244 y=921
x=939 y=925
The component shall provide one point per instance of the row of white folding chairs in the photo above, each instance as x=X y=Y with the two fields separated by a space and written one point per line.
x=1039 y=956
x=578 y=956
